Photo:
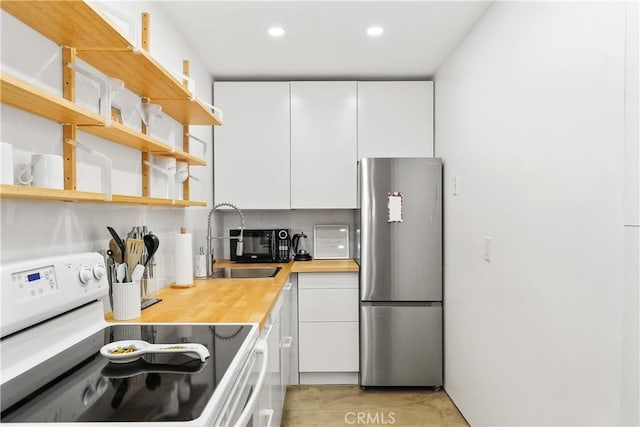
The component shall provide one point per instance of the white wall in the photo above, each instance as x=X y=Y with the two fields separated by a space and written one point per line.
x=631 y=311
x=530 y=117
x=30 y=229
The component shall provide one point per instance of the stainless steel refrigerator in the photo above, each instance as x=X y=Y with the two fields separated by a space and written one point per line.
x=400 y=222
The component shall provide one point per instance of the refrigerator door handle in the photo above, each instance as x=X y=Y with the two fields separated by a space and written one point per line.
x=434 y=205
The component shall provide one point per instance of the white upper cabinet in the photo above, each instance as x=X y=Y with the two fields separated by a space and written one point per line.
x=323 y=145
x=395 y=119
x=251 y=150
x=632 y=121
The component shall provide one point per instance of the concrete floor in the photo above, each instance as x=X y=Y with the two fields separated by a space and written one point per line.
x=337 y=405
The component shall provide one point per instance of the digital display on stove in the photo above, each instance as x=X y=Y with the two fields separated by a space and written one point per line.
x=34 y=276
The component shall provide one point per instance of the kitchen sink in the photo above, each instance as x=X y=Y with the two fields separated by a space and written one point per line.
x=245 y=272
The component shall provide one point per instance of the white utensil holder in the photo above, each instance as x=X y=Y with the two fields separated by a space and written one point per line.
x=126 y=300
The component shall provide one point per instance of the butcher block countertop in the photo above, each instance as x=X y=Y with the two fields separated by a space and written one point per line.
x=230 y=300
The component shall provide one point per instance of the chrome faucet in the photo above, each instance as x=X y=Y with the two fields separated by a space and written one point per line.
x=210 y=237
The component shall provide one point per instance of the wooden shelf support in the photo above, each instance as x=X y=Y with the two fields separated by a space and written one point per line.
x=145 y=157
x=185 y=135
x=69 y=131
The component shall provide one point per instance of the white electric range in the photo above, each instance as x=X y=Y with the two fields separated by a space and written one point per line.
x=52 y=328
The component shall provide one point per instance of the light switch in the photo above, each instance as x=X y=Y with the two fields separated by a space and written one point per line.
x=455 y=185
x=487 y=248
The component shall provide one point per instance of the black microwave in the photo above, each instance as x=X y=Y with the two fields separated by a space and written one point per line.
x=261 y=245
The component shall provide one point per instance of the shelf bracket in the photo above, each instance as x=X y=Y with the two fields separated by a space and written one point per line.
x=170 y=173
x=185 y=133
x=201 y=141
x=69 y=131
x=105 y=90
x=107 y=164
x=217 y=111
x=146 y=156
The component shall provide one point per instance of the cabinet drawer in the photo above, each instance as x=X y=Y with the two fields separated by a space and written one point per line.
x=329 y=347
x=331 y=305
x=327 y=280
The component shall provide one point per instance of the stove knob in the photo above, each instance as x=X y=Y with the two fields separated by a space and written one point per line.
x=87 y=396
x=85 y=275
x=98 y=271
x=101 y=385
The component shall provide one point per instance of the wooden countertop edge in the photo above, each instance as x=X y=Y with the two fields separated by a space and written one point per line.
x=154 y=314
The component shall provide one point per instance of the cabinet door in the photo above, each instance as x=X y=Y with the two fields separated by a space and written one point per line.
x=277 y=398
x=251 y=150
x=395 y=119
x=329 y=347
x=317 y=305
x=323 y=145
x=632 y=123
x=328 y=280
x=286 y=337
x=293 y=328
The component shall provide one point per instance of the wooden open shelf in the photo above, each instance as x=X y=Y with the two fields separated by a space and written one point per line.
x=50 y=194
x=187 y=203
x=189 y=111
x=77 y=24
x=85 y=33
x=145 y=76
x=185 y=157
x=37 y=193
x=139 y=71
x=27 y=97
x=68 y=23
x=127 y=136
x=139 y=141
x=153 y=201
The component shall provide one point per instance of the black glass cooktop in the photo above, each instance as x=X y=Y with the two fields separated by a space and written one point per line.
x=80 y=385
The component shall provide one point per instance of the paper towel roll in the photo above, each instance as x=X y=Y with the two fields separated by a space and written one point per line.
x=184 y=260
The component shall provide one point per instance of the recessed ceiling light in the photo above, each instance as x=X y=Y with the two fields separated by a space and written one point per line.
x=276 y=31
x=375 y=31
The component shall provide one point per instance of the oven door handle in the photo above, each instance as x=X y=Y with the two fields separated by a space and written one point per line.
x=261 y=348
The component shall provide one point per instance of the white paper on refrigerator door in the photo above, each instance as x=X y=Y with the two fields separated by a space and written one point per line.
x=394 y=207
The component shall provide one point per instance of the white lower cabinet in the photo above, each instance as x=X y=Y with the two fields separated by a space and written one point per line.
x=271 y=399
x=328 y=346
x=328 y=328
x=289 y=334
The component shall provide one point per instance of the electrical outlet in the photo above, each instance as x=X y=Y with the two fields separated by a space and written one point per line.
x=487 y=249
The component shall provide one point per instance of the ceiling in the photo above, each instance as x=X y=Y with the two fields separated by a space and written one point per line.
x=324 y=39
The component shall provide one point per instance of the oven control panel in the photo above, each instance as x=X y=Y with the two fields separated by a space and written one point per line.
x=39 y=289
x=35 y=283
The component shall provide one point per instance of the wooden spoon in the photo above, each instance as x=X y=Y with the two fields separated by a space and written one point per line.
x=117 y=253
x=134 y=252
